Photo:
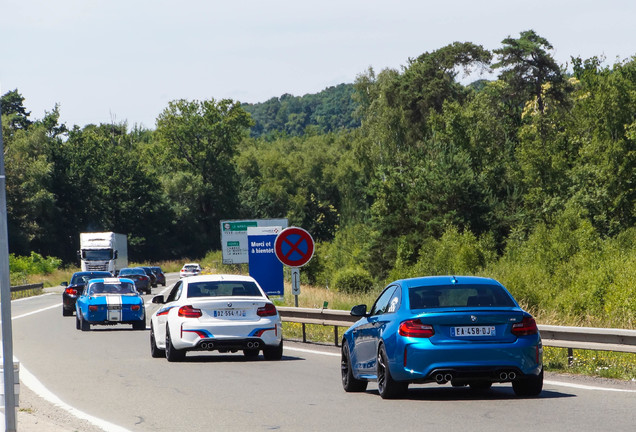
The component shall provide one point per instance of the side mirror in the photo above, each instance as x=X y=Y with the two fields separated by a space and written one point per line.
x=359 y=310
x=115 y=255
x=64 y=284
x=158 y=299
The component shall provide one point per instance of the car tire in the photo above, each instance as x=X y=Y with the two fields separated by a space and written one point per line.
x=251 y=354
x=139 y=325
x=66 y=312
x=273 y=353
x=172 y=354
x=84 y=325
x=155 y=351
x=349 y=382
x=77 y=322
x=387 y=386
x=528 y=386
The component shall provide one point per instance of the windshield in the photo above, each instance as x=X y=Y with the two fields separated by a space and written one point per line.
x=223 y=288
x=459 y=296
x=97 y=254
x=111 y=288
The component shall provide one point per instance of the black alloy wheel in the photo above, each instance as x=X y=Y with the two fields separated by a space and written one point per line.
x=528 y=386
x=172 y=354
x=155 y=351
x=349 y=382
x=387 y=386
x=273 y=353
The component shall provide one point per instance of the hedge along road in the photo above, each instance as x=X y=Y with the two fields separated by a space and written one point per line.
x=108 y=375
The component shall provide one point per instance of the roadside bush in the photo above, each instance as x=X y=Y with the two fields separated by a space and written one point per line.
x=20 y=267
x=352 y=280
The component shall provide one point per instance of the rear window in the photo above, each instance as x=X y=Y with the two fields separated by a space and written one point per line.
x=223 y=288
x=108 y=288
x=459 y=296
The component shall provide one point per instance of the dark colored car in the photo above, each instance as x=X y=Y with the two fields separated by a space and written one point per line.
x=151 y=275
x=75 y=287
x=161 y=277
x=139 y=276
x=462 y=330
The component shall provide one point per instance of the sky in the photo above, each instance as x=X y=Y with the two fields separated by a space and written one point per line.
x=114 y=61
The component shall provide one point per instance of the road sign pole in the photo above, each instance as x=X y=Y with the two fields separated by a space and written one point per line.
x=5 y=302
x=295 y=275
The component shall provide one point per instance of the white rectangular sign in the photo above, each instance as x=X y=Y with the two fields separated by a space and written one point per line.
x=234 y=237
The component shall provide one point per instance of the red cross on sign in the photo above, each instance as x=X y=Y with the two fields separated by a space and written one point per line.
x=294 y=247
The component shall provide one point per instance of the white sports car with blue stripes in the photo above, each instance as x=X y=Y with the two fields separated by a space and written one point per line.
x=110 y=301
x=224 y=313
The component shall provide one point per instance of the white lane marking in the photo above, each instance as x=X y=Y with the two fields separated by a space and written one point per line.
x=38 y=388
x=29 y=298
x=587 y=387
x=549 y=382
x=37 y=311
x=312 y=351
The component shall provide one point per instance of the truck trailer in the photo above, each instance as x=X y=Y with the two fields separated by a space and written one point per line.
x=103 y=251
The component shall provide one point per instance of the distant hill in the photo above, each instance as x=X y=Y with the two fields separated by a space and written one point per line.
x=329 y=110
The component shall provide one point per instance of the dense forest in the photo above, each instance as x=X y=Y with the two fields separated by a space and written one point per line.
x=528 y=177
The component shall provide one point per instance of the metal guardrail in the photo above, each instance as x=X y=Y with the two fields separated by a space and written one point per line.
x=27 y=287
x=587 y=338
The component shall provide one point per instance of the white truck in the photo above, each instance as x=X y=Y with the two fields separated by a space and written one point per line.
x=103 y=251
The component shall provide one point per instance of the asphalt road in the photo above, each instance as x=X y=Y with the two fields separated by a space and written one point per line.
x=107 y=377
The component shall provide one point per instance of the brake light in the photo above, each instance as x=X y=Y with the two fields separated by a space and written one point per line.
x=143 y=278
x=188 y=311
x=71 y=291
x=267 y=310
x=415 y=328
x=92 y=308
x=527 y=327
x=135 y=307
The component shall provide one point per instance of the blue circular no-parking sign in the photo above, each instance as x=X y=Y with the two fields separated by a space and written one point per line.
x=294 y=247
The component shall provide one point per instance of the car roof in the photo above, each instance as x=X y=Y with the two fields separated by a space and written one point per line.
x=446 y=280
x=110 y=280
x=85 y=273
x=220 y=277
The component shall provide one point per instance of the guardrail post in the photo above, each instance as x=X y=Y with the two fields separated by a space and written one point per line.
x=570 y=357
x=335 y=335
x=304 y=334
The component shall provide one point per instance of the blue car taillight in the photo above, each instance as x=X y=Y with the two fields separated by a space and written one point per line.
x=527 y=327
x=416 y=328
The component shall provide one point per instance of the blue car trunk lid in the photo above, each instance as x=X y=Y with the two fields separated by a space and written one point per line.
x=472 y=325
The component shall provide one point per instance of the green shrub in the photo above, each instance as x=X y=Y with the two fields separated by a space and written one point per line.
x=352 y=280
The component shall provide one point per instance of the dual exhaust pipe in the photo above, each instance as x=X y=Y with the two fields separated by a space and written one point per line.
x=443 y=378
x=507 y=376
x=211 y=346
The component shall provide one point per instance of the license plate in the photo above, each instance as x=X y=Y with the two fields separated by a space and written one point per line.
x=473 y=331
x=229 y=313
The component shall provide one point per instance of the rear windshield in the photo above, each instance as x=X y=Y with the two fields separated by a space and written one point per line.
x=82 y=279
x=132 y=272
x=459 y=296
x=107 y=288
x=223 y=288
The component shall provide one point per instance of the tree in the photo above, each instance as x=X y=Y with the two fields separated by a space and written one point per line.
x=527 y=67
x=12 y=108
x=199 y=141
